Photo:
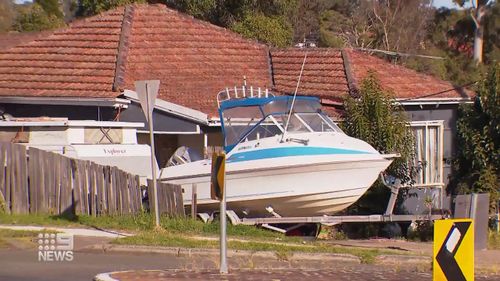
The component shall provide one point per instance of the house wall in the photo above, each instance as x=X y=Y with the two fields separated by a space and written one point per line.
x=175 y=131
x=415 y=202
x=163 y=122
x=72 y=112
x=447 y=113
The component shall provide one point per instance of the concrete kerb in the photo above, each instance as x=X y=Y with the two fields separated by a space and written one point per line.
x=192 y=252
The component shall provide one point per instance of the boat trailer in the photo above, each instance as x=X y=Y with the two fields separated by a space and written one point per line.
x=275 y=218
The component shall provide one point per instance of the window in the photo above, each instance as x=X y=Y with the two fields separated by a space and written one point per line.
x=429 y=153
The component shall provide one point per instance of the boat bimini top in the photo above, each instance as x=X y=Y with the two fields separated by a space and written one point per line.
x=251 y=118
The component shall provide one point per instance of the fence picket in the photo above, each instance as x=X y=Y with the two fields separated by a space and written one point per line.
x=8 y=175
x=38 y=181
x=2 y=169
x=33 y=188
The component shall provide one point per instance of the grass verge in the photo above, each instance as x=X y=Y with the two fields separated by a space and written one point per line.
x=23 y=238
x=138 y=223
x=283 y=250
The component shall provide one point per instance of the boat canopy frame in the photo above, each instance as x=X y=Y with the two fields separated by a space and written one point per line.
x=306 y=105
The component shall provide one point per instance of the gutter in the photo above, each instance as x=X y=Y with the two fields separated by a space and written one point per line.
x=172 y=108
x=434 y=101
x=109 y=102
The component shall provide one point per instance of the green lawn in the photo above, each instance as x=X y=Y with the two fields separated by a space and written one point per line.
x=187 y=233
x=138 y=223
x=16 y=237
x=281 y=247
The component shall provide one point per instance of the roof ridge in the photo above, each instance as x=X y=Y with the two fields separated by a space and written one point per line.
x=352 y=83
x=123 y=46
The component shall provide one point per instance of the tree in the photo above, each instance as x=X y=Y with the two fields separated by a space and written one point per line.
x=7 y=15
x=274 y=31
x=93 y=7
x=306 y=20
x=375 y=118
x=393 y=25
x=477 y=167
x=51 y=7
x=478 y=13
x=34 y=18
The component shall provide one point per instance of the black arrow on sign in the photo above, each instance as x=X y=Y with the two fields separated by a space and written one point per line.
x=446 y=258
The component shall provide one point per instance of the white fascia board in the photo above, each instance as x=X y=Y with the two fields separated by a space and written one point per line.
x=426 y=123
x=111 y=102
x=107 y=124
x=33 y=124
x=433 y=101
x=172 y=108
x=73 y=123
x=197 y=132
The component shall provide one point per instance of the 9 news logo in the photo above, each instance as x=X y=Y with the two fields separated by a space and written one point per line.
x=55 y=247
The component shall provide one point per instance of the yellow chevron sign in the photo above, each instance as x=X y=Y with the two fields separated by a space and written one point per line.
x=453 y=258
x=218 y=174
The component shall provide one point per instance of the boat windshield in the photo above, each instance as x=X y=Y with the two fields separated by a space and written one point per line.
x=266 y=117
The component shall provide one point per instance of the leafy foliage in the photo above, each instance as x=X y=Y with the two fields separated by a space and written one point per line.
x=51 y=7
x=478 y=129
x=271 y=30
x=35 y=18
x=266 y=21
x=93 y=7
x=6 y=15
x=376 y=119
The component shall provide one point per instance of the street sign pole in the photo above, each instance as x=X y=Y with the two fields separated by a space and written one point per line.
x=147 y=91
x=153 y=166
x=223 y=238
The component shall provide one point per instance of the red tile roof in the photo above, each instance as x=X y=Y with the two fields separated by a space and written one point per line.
x=12 y=39
x=323 y=74
x=103 y=55
x=78 y=61
x=193 y=59
x=405 y=83
x=328 y=73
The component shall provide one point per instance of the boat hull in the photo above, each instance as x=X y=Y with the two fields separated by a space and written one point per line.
x=292 y=187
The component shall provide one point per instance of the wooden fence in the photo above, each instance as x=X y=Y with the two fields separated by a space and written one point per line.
x=169 y=199
x=38 y=181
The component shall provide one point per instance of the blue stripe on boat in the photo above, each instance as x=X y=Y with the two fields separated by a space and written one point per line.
x=289 y=151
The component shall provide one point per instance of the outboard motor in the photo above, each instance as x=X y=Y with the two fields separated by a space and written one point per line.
x=183 y=155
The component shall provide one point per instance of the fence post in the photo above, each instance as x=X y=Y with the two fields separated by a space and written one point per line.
x=194 y=203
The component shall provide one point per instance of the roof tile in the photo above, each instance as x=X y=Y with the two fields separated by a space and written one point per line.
x=75 y=61
x=323 y=73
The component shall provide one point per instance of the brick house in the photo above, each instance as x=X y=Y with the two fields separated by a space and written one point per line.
x=87 y=71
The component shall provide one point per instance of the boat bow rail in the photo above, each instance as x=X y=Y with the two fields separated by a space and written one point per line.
x=243 y=92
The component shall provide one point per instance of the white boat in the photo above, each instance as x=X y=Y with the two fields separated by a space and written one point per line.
x=306 y=168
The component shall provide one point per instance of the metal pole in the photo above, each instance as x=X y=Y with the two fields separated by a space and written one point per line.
x=223 y=238
x=153 y=166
